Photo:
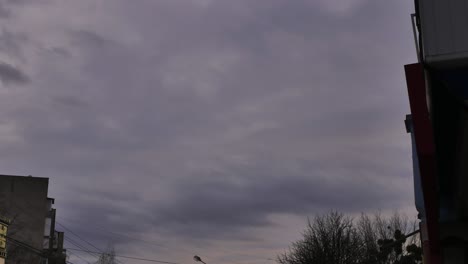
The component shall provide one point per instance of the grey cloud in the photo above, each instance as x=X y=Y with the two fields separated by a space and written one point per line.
x=4 y=11
x=89 y=38
x=108 y=229
x=12 y=43
x=60 y=52
x=9 y=74
x=7 y=7
x=222 y=206
x=205 y=121
x=69 y=101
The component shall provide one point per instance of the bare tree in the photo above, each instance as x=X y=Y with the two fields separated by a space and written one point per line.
x=384 y=238
x=334 y=238
x=331 y=238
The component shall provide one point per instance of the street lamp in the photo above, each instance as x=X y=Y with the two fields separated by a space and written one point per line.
x=197 y=258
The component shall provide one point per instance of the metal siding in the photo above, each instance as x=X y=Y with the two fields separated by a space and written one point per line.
x=428 y=25
x=460 y=22
x=442 y=24
x=444 y=27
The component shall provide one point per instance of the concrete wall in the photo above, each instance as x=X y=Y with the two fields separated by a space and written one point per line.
x=24 y=201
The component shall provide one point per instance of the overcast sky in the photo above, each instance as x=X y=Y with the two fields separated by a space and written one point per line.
x=170 y=128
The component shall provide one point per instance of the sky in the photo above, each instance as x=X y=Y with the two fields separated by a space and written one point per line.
x=170 y=128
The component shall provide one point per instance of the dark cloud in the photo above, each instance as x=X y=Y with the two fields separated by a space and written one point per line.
x=69 y=101
x=86 y=39
x=59 y=51
x=12 y=75
x=223 y=206
x=8 y=6
x=4 y=11
x=198 y=123
x=11 y=43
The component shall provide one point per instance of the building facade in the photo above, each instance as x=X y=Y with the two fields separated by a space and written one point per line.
x=4 y=223
x=438 y=95
x=31 y=235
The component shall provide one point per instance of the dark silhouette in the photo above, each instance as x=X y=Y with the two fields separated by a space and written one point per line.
x=197 y=258
x=337 y=239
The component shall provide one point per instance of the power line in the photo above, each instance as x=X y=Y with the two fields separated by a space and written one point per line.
x=89 y=243
x=129 y=257
x=84 y=249
x=191 y=252
x=73 y=233
x=78 y=256
x=81 y=247
x=24 y=245
x=38 y=252
x=103 y=230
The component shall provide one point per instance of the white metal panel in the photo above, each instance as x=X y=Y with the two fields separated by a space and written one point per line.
x=444 y=26
x=45 y=244
x=48 y=226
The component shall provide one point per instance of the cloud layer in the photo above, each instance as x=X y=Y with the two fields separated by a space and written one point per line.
x=213 y=126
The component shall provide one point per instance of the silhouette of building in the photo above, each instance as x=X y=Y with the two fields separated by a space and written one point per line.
x=31 y=237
